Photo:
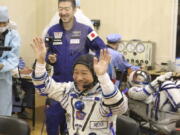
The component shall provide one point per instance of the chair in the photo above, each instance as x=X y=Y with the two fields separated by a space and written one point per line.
x=28 y=100
x=13 y=126
x=126 y=126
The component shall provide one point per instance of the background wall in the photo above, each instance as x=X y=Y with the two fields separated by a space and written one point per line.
x=137 y=19
x=31 y=16
x=134 y=19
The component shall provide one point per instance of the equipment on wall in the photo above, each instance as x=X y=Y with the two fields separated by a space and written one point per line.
x=137 y=52
x=96 y=23
x=5 y=48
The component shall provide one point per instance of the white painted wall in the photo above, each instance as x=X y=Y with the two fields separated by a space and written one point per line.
x=134 y=19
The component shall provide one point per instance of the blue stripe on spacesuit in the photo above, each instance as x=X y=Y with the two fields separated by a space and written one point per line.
x=172 y=100
x=146 y=92
x=174 y=87
x=157 y=101
x=165 y=86
x=43 y=94
x=112 y=94
x=39 y=86
x=64 y=100
x=39 y=78
x=151 y=87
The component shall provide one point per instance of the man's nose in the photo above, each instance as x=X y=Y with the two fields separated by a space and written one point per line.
x=62 y=12
x=79 y=78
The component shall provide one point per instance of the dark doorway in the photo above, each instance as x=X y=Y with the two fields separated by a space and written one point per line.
x=178 y=33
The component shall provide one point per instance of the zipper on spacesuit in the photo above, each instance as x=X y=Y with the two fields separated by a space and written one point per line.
x=90 y=113
x=72 y=113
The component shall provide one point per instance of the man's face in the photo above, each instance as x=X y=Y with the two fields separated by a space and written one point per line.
x=3 y=27
x=66 y=11
x=82 y=76
x=3 y=24
x=116 y=45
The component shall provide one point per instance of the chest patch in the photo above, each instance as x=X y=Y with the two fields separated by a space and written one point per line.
x=98 y=124
x=74 y=41
x=76 y=34
x=58 y=35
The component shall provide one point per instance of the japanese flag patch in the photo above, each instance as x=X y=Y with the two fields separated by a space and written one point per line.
x=92 y=35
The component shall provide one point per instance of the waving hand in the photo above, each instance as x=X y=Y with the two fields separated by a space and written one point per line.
x=39 y=49
x=101 y=65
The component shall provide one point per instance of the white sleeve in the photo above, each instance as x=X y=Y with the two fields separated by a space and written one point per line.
x=113 y=101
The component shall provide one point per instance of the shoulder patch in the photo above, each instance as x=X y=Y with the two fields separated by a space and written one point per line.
x=92 y=35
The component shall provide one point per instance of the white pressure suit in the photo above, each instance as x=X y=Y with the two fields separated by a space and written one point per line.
x=90 y=112
x=164 y=93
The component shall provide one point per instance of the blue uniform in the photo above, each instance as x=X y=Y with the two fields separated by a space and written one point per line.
x=118 y=62
x=67 y=45
x=10 y=61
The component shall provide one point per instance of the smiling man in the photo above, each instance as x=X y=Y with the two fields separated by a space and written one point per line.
x=67 y=40
x=91 y=101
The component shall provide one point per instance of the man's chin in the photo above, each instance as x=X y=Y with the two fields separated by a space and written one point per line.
x=65 y=20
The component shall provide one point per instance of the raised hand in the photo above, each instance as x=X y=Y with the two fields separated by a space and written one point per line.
x=39 y=49
x=101 y=65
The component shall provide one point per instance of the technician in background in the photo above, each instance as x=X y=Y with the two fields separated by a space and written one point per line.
x=80 y=17
x=8 y=61
x=118 y=62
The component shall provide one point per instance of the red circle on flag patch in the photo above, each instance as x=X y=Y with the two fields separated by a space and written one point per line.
x=92 y=35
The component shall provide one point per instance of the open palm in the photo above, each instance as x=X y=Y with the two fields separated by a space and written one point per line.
x=101 y=65
x=39 y=49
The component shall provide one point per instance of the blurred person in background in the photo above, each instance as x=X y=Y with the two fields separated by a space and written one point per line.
x=9 y=37
x=118 y=61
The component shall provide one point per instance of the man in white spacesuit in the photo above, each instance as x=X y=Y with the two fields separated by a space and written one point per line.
x=162 y=91
x=92 y=102
x=160 y=99
x=8 y=60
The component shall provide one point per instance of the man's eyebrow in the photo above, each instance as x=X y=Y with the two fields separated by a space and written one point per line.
x=85 y=70
x=63 y=7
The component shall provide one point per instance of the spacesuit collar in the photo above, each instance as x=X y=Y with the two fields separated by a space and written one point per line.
x=87 y=92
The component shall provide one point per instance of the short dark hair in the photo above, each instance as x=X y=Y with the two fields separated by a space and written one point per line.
x=72 y=2
x=112 y=42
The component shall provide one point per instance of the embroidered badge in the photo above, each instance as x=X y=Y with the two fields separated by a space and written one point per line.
x=80 y=115
x=92 y=35
x=76 y=34
x=58 y=35
x=79 y=105
x=98 y=124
